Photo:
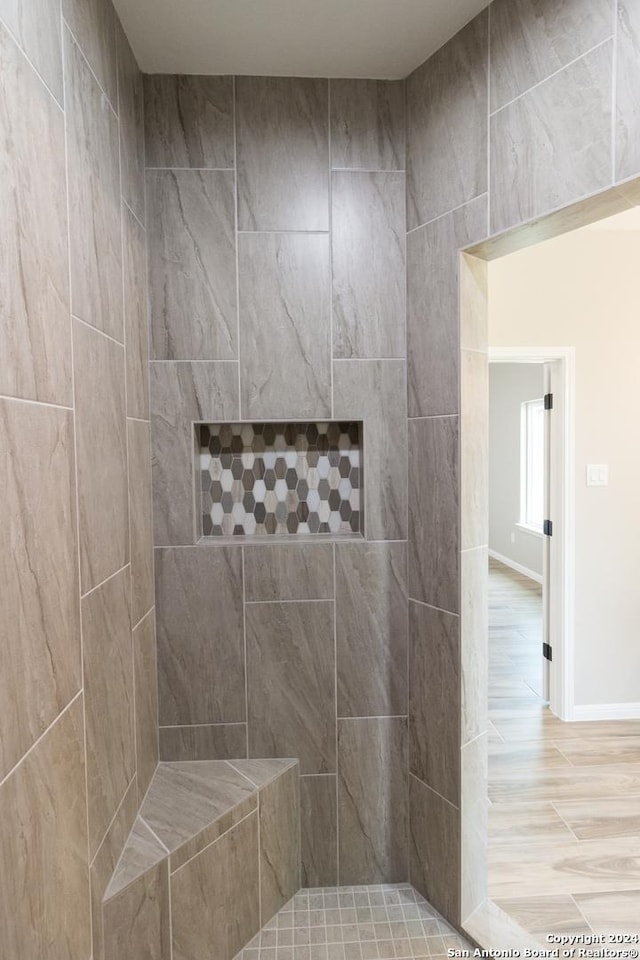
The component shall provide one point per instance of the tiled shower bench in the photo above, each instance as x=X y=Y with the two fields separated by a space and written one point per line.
x=213 y=854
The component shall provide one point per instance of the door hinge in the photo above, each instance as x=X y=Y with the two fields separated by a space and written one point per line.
x=547 y=528
x=548 y=401
x=546 y=651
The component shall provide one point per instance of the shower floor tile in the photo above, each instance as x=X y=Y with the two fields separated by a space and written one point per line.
x=383 y=922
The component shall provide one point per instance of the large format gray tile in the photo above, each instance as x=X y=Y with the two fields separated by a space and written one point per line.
x=200 y=635
x=283 y=153
x=145 y=670
x=447 y=126
x=34 y=284
x=531 y=39
x=40 y=624
x=627 y=131
x=180 y=394
x=101 y=443
x=142 y=851
x=285 y=325
x=289 y=572
x=553 y=145
x=434 y=708
x=207 y=741
x=279 y=812
x=188 y=121
x=433 y=316
x=192 y=264
x=190 y=805
x=215 y=897
x=367 y=124
x=433 y=512
x=94 y=198
x=131 y=115
x=291 y=683
x=109 y=708
x=372 y=819
x=44 y=908
x=371 y=629
x=137 y=920
x=375 y=392
x=36 y=25
x=135 y=316
x=434 y=849
x=319 y=831
x=105 y=861
x=140 y=532
x=93 y=24
x=368 y=278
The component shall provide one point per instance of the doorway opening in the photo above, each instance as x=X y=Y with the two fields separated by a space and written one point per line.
x=569 y=789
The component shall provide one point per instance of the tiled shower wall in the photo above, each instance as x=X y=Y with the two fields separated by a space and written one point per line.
x=78 y=737
x=529 y=108
x=276 y=213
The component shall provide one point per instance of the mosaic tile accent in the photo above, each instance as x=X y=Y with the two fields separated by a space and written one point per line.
x=261 y=479
x=385 y=922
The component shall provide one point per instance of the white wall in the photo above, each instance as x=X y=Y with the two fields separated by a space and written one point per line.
x=583 y=290
x=509 y=385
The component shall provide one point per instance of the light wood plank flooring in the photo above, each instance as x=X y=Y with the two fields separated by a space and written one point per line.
x=564 y=819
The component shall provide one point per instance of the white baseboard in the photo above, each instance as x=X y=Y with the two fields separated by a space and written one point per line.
x=606 y=711
x=516 y=566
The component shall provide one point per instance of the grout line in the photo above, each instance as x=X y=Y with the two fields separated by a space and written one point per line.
x=75 y=457
x=246 y=664
x=136 y=218
x=118 y=343
x=384 y=716
x=28 y=59
x=437 y=416
x=41 y=737
x=330 y=214
x=38 y=403
x=251 y=813
x=366 y=360
x=322 y=233
x=579 y=909
x=196 y=169
x=106 y=579
x=255 y=603
x=152 y=831
x=237 y=234
x=555 y=73
x=335 y=700
x=433 y=791
x=441 y=216
x=553 y=804
x=111 y=823
x=182 y=726
x=89 y=67
x=432 y=606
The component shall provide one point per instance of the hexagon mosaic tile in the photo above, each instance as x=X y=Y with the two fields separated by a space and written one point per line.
x=262 y=479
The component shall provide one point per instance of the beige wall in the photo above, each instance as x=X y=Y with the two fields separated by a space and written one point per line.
x=583 y=290
x=510 y=384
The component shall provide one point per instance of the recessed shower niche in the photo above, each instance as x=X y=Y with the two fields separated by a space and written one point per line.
x=281 y=479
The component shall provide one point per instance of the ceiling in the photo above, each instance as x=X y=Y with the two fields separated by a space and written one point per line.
x=307 y=38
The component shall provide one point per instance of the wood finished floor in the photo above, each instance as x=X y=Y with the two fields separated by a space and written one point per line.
x=564 y=818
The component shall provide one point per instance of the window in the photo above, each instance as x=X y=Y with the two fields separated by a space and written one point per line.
x=532 y=464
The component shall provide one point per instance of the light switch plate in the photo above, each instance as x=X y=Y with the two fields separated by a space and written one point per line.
x=597 y=474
